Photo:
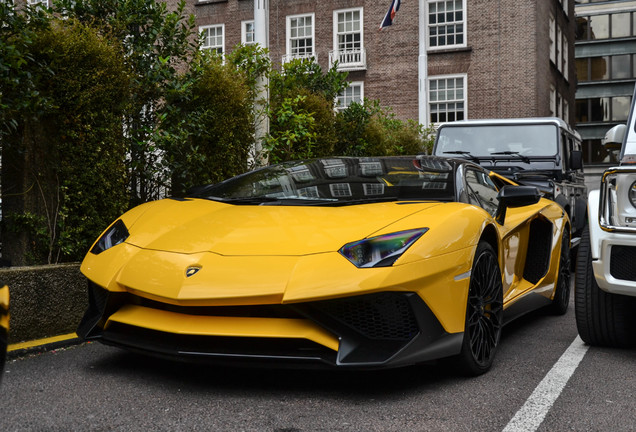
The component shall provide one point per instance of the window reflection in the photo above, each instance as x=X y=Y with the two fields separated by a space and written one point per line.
x=599 y=27
x=600 y=68
x=621 y=25
x=620 y=108
x=621 y=66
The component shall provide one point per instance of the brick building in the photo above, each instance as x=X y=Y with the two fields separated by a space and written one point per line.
x=439 y=61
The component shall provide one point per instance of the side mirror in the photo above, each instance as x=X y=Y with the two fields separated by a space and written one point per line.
x=576 y=160
x=614 y=137
x=515 y=196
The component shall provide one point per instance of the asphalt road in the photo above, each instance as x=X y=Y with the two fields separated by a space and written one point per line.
x=92 y=387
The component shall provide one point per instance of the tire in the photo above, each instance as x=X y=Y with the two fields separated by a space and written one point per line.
x=484 y=314
x=602 y=318
x=561 y=299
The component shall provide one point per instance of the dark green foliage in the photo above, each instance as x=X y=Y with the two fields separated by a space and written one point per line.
x=208 y=126
x=302 y=117
x=156 y=43
x=370 y=130
x=76 y=147
x=18 y=92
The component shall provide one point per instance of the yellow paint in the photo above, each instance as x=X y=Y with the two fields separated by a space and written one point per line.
x=4 y=308
x=172 y=322
x=41 y=342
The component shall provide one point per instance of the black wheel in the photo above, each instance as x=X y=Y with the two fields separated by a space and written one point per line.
x=484 y=314
x=561 y=299
x=602 y=318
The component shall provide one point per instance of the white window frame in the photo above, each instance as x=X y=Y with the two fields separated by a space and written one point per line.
x=288 y=37
x=429 y=26
x=344 y=97
x=551 y=33
x=553 y=99
x=464 y=100
x=348 y=59
x=245 y=33
x=215 y=26
x=40 y=3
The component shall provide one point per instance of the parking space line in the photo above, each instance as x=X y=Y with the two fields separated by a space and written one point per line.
x=532 y=413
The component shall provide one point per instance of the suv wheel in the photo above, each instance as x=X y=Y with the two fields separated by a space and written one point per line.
x=602 y=318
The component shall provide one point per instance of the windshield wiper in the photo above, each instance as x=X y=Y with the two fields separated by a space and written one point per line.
x=525 y=159
x=464 y=153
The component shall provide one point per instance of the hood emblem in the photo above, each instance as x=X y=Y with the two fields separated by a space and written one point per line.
x=192 y=270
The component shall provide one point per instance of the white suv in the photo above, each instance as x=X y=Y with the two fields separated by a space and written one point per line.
x=605 y=284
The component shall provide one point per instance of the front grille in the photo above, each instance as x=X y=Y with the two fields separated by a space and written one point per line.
x=622 y=259
x=384 y=316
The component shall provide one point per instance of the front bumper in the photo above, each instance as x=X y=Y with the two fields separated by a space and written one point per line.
x=387 y=329
x=613 y=253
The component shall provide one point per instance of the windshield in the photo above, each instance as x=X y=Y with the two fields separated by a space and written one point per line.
x=504 y=140
x=340 y=181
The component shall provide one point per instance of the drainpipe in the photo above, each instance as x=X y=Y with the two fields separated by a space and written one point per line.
x=261 y=37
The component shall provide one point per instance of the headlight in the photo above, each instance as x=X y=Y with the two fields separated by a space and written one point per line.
x=632 y=194
x=617 y=210
x=380 y=251
x=116 y=234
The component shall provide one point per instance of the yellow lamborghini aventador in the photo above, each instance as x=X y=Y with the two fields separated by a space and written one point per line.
x=343 y=262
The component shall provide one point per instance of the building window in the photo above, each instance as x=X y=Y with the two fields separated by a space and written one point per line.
x=214 y=38
x=300 y=37
x=348 y=40
x=38 y=3
x=553 y=101
x=606 y=67
x=340 y=189
x=447 y=98
x=247 y=33
x=353 y=93
x=446 y=23
x=566 y=51
x=552 y=40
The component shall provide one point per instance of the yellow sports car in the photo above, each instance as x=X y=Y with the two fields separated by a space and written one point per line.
x=344 y=262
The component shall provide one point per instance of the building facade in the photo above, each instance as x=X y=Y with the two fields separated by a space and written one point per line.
x=440 y=61
x=606 y=68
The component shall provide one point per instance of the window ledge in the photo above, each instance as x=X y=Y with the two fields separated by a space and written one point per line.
x=448 y=50
x=207 y=2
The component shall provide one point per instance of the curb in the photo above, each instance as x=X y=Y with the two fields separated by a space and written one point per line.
x=42 y=345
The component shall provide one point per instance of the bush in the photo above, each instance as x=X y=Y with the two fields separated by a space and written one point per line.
x=75 y=148
x=369 y=130
x=207 y=127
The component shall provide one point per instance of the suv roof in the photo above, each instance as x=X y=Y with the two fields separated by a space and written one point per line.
x=513 y=121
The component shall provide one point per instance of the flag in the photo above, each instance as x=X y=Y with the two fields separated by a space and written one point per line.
x=390 y=15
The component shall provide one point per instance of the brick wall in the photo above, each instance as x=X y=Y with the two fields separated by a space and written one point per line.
x=507 y=57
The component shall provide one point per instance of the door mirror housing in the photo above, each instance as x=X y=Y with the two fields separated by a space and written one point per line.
x=515 y=196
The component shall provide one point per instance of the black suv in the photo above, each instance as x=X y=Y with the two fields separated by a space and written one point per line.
x=541 y=152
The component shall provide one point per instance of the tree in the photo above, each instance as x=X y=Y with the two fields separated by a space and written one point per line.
x=70 y=148
x=207 y=124
x=157 y=44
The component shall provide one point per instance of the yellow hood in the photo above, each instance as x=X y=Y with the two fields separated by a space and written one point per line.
x=194 y=226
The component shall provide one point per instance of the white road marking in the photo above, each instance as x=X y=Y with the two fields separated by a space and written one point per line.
x=532 y=413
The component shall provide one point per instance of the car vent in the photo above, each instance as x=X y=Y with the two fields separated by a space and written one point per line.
x=384 y=316
x=622 y=262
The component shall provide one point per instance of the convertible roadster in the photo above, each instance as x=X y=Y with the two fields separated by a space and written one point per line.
x=343 y=262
